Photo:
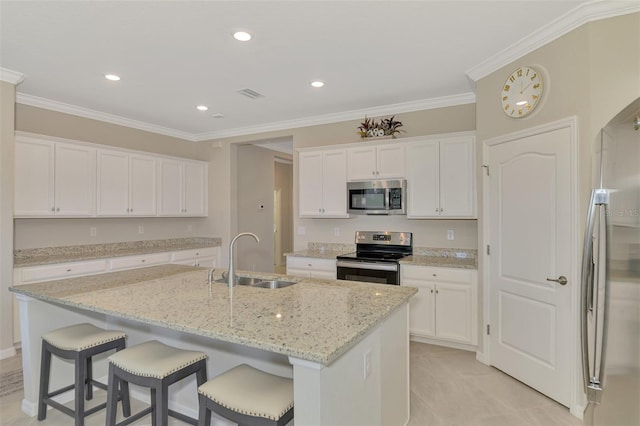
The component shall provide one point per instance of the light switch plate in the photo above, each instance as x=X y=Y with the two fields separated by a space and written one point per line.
x=450 y=234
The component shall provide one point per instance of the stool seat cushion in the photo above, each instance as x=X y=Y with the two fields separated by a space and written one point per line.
x=249 y=391
x=80 y=337
x=154 y=359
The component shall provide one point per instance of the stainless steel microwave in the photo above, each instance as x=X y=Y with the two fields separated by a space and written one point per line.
x=377 y=197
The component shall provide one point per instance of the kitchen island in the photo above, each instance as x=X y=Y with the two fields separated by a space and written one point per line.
x=345 y=344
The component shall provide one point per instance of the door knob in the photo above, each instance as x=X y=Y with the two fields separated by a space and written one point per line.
x=562 y=280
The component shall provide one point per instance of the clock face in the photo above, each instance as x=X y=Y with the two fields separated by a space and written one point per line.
x=521 y=92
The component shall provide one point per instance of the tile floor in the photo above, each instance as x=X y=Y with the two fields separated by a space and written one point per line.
x=448 y=387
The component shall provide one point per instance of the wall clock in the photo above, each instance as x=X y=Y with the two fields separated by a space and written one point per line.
x=521 y=92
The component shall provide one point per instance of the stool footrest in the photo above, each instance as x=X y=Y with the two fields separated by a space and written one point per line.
x=136 y=416
x=183 y=417
x=59 y=391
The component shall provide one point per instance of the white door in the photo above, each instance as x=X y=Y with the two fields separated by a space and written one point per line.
x=142 y=185
x=34 y=178
x=75 y=180
x=423 y=179
x=457 y=178
x=310 y=183
x=171 y=186
x=195 y=190
x=361 y=163
x=113 y=183
x=334 y=189
x=530 y=218
x=390 y=161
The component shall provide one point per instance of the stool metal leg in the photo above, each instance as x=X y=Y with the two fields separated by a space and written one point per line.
x=112 y=399
x=45 y=365
x=89 y=378
x=204 y=414
x=80 y=380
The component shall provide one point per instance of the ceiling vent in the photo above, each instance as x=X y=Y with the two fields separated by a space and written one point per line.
x=250 y=93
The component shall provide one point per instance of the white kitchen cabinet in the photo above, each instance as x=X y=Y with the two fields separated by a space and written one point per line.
x=441 y=178
x=54 y=179
x=376 y=162
x=311 y=267
x=182 y=188
x=205 y=257
x=126 y=184
x=445 y=306
x=323 y=184
x=139 y=261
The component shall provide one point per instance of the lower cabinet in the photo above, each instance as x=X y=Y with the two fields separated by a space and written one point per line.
x=445 y=306
x=311 y=267
x=206 y=257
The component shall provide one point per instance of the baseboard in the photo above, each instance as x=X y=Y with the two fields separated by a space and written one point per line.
x=445 y=343
x=481 y=358
x=8 y=353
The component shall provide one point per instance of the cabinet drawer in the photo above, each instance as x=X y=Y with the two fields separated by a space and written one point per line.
x=140 y=261
x=429 y=273
x=61 y=270
x=311 y=263
x=194 y=253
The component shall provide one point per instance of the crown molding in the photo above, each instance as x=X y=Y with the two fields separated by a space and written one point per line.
x=571 y=20
x=35 y=101
x=10 y=76
x=424 y=104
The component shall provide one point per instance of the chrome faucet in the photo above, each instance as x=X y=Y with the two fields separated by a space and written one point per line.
x=232 y=274
x=210 y=275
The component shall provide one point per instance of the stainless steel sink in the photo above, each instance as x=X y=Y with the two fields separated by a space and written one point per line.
x=259 y=282
x=274 y=284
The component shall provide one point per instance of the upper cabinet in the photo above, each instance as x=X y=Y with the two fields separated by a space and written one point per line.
x=60 y=178
x=441 y=177
x=323 y=183
x=376 y=162
x=126 y=184
x=54 y=179
x=183 y=188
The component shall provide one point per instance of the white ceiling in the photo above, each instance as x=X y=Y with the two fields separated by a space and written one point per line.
x=376 y=57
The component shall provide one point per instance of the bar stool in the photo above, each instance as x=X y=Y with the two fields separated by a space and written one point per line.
x=247 y=396
x=156 y=366
x=79 y=343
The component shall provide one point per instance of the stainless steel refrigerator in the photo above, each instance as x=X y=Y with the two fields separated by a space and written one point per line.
x=610 y=290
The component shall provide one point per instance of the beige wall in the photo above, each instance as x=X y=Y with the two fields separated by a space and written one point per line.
x=284 y=181
x=31 y=233
x=429 y=233
x=7 y=147
x=592 y=73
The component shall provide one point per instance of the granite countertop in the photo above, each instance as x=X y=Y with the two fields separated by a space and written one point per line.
x=317 y=254
x=63 y=254
x=440 y=261
x=315 y=320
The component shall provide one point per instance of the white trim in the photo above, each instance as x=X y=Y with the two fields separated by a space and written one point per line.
x=588 y=12
x=445 y=343
x=8 y=353
x=304 y=363
x=424 y=104
x=10 y=76
x=36 y=101
x=572 y=124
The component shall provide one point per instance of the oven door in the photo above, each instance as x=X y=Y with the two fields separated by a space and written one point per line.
x=371 y=272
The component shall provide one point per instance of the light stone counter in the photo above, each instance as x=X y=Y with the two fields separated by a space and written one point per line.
x=345 y=344
x=63 y=254
x=316 y=254
x=314 y=320
x=440 y=261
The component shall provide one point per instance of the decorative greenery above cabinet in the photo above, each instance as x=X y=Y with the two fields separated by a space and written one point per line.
x=56 y=177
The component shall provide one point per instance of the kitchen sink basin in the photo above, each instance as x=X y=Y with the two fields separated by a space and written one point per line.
x=259 y=282
x=274 y=284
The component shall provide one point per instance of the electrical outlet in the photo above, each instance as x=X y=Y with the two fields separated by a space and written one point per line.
x=336 y=232
x=450 y=235
x=140 y=229
x=93 y=231
x=367 y=364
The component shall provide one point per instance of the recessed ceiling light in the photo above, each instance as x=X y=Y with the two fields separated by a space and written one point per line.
x=317 y=83
x=202 y=108
x=242 y=36
x=111 y=77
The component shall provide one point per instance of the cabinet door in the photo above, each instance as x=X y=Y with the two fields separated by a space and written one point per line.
x=334 y=191
x=75 y=180
x=310 y=184
x=454 y=311
x=34 y=178
x=457 y=178
x=113 y=183
x=390 y=161
x=170 y=188
x=142 y=186
x=361 y=163
x=422 y=311
x=423 y=187
x=195 y=189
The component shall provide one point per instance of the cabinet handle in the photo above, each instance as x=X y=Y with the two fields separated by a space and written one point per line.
x=436 y=291
x=58 y=209
x=144 y=260
x=69 y=270
x=431 y=290
x=435 y=275
x=53 y=209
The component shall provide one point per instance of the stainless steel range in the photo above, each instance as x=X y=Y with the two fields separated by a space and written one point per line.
x=376 y=258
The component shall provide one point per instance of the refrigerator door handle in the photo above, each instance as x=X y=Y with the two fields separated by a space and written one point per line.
x=586 y=289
